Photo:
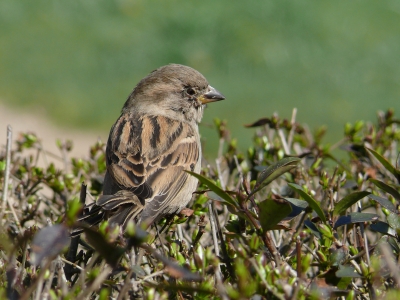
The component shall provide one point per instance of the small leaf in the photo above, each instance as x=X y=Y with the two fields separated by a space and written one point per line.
x=388 y=166
x=314 y=230
x=73 y=209
x=274 y=171
x=394 y=221
x=348 y=201
x=138 y=270
x=212 y=186
x=298 y=206
x=49 y=242
x=384 y=202
x=311 y=201
x=272 y=211
x=386 y=188
x=297 y=202
x=2 y=165
x=383 y=228
x=355 y=218
x=347 y=271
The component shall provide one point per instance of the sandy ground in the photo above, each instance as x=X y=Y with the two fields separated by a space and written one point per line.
x=24 y=121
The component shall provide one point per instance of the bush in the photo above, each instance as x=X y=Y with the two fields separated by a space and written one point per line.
x=286 y=220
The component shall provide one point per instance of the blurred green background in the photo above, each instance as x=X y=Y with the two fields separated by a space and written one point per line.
x=336 y=61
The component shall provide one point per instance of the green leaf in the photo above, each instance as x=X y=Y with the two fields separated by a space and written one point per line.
x=310 y=200
x=348 y=201
x=298 y=206
x=2 y=165
x=347 y=271
x=388 y=166
x=297 y=202
x=383 y=228
x=212 y=186
x=355 y=218
x=274 y=171
x=73 y=209
x=272 y=211
x=314 y=230
x=394 y=221
x=386 y=188
x=384 y=202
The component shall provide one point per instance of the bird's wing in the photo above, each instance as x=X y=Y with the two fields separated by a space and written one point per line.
x=146 y=156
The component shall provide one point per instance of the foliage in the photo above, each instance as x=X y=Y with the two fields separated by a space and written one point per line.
x=286 y=220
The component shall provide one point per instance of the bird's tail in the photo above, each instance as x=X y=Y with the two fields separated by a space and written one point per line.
x=118 y=209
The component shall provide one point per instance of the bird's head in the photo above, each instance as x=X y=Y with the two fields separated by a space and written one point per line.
x=176 y=91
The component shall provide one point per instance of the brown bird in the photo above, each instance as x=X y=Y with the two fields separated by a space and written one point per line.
x=152 y=143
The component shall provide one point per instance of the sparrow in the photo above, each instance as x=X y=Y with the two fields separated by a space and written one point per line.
x=151 y=145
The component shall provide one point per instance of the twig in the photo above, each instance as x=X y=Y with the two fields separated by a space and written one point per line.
x=337 y=144
x=311 y=251
x=213 y=229
x=152 y=275
x=96 y=283
x=49 y=280
x=62 y=280
x=364 y=235
x=226 y=257
x=29 y=291
x=298 y=255
x=43 y=152
x=218 y=165
x=73 y=248
x=221 y=147
x=202 y=225
x=126 y=287
x=292 y=130
x=283 y=140
x=217 y=270
x=17 y=222
x=262 y=277
x=72 y=264
x=7 y=171
x=180 y=234
x=22 y=270
x=39 y=289
x=239 y=169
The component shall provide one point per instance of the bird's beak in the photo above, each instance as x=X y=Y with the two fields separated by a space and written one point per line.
x=211 y=96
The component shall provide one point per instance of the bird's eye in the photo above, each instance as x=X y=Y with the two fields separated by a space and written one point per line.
x=190 y=91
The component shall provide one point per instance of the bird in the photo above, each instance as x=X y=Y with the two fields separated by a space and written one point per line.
x=151 y=145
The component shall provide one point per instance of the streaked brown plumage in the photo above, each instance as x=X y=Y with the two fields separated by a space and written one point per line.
x=154 y=140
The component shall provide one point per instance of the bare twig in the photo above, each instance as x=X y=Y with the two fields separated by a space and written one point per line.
x=73 y=248
x=298 y=255
x=292 y=130
x=38 y=280
x=158 y=273
x=202 y=225
x=49 y=281
x=127 y=285
x=72 y=264
x=96 y=283
x=283 y=140
x=7 y=171
x=213 y=228
x=217 y=270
